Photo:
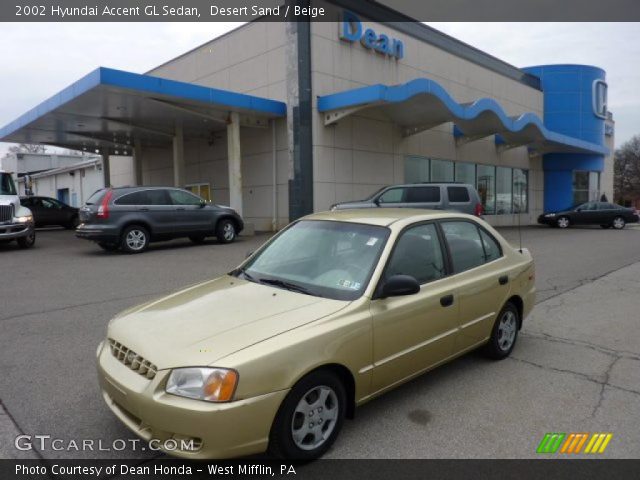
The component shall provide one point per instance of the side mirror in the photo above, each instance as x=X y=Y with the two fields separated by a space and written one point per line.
x=578 y=209
x=400 y=285
x=377 y=201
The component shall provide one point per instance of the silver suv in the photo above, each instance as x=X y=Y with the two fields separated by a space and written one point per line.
x=461 y=197
x=16 y=221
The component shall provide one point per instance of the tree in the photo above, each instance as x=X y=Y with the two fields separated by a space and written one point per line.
x=26 y=148
x=626 y=171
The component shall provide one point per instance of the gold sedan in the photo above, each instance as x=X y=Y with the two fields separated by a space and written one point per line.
x=333 y=311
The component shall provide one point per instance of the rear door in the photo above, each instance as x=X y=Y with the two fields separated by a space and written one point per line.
x=482 y=279
x=458 y=198
x=191 y=216
x=152 y=206
x=424 y=196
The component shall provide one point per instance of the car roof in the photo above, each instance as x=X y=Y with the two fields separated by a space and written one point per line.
x=384 y=216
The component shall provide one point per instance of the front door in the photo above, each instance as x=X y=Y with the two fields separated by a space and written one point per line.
x=415 y=332
x=191 y=215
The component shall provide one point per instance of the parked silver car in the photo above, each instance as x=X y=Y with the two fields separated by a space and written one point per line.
x=461 y=197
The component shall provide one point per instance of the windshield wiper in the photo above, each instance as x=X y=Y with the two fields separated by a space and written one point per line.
x=276 y=282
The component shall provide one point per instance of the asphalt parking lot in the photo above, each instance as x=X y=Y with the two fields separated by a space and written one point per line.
x=575 y=368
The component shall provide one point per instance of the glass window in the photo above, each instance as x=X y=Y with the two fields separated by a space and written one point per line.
x=466 y=173
x=393 y=195
x=416 y=169
x=486 y=185
x=492 y=250
x=465 y=245
x=504 y=185
x=158 y=197
x=606 y=206
x=180 y=197
x=441 y=170
x=135 y=198
x=321 y=258
x=580 y=187
x=417 y=253
x=97 y=196
x=7 y=187
x=458 y=195
x=50 y=204
x=594 y=186
x=423 y=195
x=520 y=190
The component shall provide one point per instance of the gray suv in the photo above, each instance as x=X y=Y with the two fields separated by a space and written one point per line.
x=130 y=218
x=461 y=197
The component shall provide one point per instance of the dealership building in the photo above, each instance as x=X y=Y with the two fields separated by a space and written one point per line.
x=282 y=119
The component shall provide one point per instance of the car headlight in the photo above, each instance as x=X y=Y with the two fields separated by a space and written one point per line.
x=550 y=215
x=25 y=219
x=203 y=383
x=334 y=208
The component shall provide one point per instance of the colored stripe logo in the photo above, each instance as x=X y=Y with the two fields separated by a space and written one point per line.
x=574 y=443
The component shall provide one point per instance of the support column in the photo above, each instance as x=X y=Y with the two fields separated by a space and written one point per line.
x=234 y=161
x=178 y=157
x=137 y=161
x=106 y=170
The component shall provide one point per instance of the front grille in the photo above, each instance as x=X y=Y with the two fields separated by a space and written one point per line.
x=132 y=360
x=6 y=213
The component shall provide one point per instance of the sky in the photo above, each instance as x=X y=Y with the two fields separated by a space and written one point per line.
x=38 y=60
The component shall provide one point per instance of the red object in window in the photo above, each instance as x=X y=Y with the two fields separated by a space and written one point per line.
x=103 y=209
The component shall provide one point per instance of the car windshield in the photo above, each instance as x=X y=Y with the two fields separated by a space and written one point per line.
x=321 y=258
x=6 y=185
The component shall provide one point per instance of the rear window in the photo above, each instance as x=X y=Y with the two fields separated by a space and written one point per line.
x=423 y=195
x=96 y=197
x=135 y=198
x=458 y=194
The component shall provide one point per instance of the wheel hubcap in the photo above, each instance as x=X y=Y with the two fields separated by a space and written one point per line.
x=563 y=222
x=136 y=239
x=314 y=419
x=507 y=330
x=228 y=231
x=618 y=223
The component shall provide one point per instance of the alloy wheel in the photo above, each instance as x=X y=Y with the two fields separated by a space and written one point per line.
x=563 y=222
x=229 y=232
x=618 y=223
x=136 y=239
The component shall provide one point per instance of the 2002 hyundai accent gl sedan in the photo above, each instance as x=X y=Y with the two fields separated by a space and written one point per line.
x=333 y=311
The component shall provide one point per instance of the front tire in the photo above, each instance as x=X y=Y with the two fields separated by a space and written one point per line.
x=73 y=223
x=28 y=241
x=618 y=223
x=310 y=418
x=504 y=334
x=226 y=231
x=135 y=239
x=563 y=222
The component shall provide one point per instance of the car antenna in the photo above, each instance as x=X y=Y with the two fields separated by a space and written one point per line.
x=519 y=219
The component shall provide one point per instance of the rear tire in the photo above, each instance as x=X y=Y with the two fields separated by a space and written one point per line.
x=198 y=239
x=310 y=417
x=135 y=239
x=226 y=231
x=108 y=247
x=73 y=223
x=504 y=334
x=28 y=241
x=618 y=223
x=563 y=222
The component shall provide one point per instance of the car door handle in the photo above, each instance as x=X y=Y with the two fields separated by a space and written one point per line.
x=144 y=209
x=446 y=301
x=180 y=209
x=503 y=280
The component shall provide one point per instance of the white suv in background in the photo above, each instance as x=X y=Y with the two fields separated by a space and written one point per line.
x=16 y=221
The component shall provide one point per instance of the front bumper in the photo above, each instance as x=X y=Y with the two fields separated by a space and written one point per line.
x=544 y=220
x=10 y=231
x=98 y=233
x=216 y=430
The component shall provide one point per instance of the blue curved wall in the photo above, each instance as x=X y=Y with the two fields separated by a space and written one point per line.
x=568 y=109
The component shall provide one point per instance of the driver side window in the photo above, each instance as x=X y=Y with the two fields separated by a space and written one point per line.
x=418 y=253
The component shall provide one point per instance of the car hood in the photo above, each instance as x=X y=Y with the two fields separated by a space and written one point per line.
x=206 y=322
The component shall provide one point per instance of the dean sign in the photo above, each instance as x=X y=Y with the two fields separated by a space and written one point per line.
x=351 y=30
